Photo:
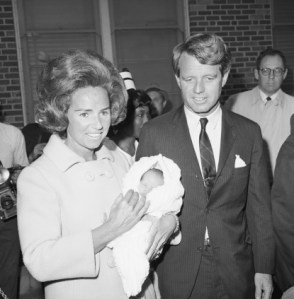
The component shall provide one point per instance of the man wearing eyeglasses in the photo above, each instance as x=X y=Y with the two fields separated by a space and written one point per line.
x=267 y=104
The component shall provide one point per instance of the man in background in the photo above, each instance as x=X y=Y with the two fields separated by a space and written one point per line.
x=267 y=104
x=12 y=153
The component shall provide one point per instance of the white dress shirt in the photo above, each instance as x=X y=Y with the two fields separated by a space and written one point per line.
x=213 y=130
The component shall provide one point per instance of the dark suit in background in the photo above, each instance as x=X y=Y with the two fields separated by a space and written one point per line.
x=283 y=212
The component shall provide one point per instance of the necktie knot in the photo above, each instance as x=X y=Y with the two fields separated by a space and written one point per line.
x=203 y=122
x=268 y=99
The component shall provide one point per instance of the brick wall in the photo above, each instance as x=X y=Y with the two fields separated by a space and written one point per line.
x=245 y=25
x=10 y=95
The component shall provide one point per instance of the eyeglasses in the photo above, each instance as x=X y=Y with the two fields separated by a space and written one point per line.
x=277 y=71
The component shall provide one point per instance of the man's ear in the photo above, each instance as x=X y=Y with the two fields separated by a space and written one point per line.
x=256 y=74
x=225 y=78
x=178 y=81
x=285 y=74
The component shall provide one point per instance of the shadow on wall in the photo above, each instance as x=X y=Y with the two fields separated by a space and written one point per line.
x=288 y=84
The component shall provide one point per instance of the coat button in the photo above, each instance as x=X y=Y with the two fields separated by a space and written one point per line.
x=90 y=177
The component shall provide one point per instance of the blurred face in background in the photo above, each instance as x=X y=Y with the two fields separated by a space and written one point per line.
x=270 y=83
x=158 y=102
x=89 y=120
x=142 y=115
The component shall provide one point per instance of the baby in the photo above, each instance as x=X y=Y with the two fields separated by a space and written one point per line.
x=150 y=179
x=157 y=178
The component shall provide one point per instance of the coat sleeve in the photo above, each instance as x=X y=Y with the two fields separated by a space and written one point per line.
x=48 y=254
x=258 y=210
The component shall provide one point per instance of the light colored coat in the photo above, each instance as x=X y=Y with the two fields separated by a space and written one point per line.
x=61 y=198
x=272 y=117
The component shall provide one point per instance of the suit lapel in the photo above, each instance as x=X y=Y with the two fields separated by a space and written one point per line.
x=182 y=135
x=227 y=141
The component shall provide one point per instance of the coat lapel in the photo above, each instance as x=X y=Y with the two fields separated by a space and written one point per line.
x=182 y=135
x=227 y=140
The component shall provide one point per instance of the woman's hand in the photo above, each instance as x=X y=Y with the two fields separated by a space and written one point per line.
x=161 y=230
x=125 y=212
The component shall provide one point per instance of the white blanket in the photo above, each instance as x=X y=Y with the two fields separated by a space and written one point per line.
x=129 y=249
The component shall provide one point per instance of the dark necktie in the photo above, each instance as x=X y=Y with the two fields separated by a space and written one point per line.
x=207 y=158
x=268 y=99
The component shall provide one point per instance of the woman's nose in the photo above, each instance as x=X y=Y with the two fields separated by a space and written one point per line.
x=97 y=122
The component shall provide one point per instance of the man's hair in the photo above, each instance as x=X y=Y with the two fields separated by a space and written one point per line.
x=270 y=52
x=207 y=49
x=161 y=92
x=62 y=76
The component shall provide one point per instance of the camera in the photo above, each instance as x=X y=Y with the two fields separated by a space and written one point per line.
x=8 y=178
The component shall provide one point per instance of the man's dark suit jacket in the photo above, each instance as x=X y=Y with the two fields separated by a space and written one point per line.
x=283 y=212
x=237 y=214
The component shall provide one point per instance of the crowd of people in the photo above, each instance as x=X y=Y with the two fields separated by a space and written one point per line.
x=233 y=169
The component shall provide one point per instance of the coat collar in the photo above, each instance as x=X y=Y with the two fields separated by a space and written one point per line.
x=278 y=101
x=64 y=158
x=181 y=131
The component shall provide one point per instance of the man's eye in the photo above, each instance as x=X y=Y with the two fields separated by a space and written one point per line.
x=187 y=79
x=84 y=114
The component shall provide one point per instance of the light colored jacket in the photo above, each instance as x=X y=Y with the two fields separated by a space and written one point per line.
x=272 y=117
x=61 y=198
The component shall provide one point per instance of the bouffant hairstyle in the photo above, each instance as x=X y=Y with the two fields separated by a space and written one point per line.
x=62 y=76
x=207 y=49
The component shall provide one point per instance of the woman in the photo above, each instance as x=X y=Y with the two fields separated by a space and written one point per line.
x=69 y=202
x=126 y=133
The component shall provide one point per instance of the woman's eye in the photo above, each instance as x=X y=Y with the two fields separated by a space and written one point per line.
x=105 y=112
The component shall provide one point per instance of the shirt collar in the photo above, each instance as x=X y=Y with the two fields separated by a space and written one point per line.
x=274 y=98
x=213 y=118
x=65 y=158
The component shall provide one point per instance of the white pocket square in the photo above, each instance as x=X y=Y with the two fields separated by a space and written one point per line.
x=239 y=162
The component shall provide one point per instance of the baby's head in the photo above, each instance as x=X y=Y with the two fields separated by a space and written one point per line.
x=150 y=179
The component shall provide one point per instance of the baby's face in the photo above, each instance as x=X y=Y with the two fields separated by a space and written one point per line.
x=150 y=180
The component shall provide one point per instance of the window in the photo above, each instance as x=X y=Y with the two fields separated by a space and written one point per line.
x=137 y=34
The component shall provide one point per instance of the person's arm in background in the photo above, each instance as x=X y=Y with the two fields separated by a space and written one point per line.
x=20 y=155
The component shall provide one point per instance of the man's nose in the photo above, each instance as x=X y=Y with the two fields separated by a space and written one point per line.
x=198 y=87
x=272 y=74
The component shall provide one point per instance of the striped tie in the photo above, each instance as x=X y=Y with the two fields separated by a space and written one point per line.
x=207 y=158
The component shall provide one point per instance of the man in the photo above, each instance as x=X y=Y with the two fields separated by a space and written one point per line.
x=283 y=211
x=12 y=152
x=160 y=102
x=267 y=104
x=227 y=245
